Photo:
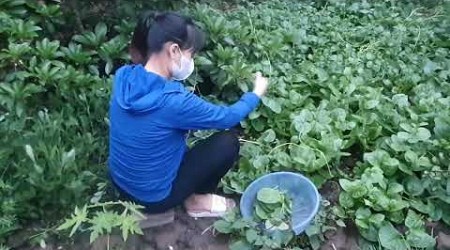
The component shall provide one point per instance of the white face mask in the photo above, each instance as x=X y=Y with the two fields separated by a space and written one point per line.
x=184 y=69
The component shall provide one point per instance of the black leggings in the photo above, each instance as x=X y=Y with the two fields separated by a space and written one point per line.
x=200 y=171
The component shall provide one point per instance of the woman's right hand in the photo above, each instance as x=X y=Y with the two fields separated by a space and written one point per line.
x=260 y=85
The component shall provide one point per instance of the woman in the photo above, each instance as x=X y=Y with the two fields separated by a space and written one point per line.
x=151 y=112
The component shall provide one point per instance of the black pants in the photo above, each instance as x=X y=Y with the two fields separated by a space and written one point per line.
x=200 y=171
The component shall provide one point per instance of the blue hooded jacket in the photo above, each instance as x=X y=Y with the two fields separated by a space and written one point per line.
x=149 y=120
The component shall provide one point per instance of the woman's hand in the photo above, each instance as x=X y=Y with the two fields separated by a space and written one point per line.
x=260 y=85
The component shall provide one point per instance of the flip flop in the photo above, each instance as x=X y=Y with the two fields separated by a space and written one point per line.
x=219 y=207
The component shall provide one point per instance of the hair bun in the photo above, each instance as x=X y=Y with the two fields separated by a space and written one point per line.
x=150 y=17
x=158 y=16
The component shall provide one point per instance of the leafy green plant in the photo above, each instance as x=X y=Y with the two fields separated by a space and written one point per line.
x=273 y=208
x=99 y=219
x=93 y=39
x=48 y=130
x=338 y=84
x=415 y=237
x=15 y=7
x=250 y=234
x=23 y=30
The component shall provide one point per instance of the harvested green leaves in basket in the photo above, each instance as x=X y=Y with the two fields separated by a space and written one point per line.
x=273 y=208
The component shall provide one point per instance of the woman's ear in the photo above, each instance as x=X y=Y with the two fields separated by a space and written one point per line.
x=174 y=51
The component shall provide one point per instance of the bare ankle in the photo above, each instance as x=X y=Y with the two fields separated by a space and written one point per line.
x=198 y=202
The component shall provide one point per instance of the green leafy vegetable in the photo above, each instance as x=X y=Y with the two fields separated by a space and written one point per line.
x=273 y=208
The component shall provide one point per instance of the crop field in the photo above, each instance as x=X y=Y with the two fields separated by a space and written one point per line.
x=359 y=102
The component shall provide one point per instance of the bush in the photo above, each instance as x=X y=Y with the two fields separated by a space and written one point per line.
x=53 y=114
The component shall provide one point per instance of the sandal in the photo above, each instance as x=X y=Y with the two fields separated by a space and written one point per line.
x=219 y=207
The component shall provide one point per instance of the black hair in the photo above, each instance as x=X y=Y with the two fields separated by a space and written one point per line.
x=155 y=29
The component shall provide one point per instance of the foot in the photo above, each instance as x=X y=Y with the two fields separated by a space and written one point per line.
x=208 y=205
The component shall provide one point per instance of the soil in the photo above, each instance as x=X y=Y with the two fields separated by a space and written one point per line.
x=443 y=234
x=198 y=234
x=330 y=191
x=342 y=239
x=349 y=162
x=187 y=233
x=184 y=233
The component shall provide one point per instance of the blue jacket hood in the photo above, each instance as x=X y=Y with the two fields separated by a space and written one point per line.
x=137 y=90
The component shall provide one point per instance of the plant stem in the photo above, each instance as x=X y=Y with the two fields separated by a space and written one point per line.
x=253 y=142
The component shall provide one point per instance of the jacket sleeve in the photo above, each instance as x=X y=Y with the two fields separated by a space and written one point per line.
x=192 y=112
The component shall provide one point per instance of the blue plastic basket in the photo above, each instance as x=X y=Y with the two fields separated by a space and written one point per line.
x=303 y=193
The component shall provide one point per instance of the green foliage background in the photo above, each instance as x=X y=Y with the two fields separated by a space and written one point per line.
x=366 y=81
